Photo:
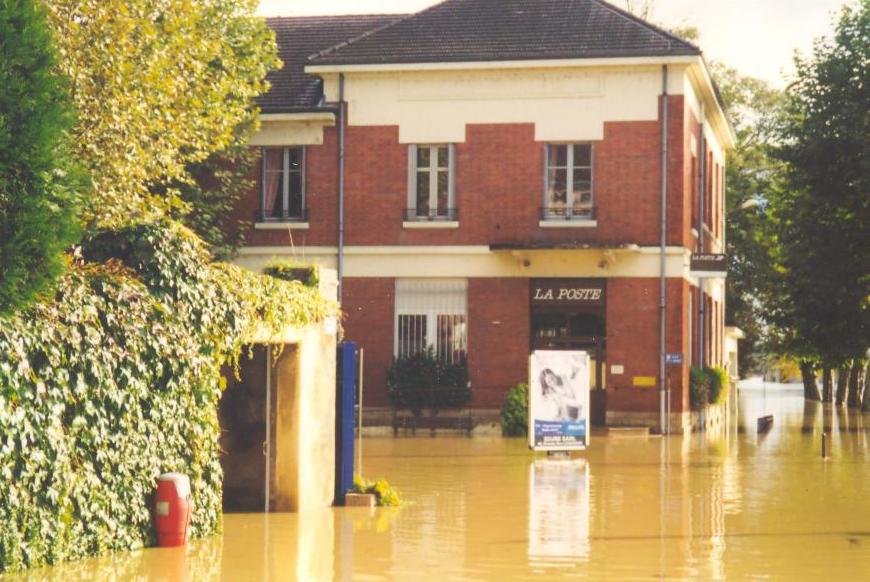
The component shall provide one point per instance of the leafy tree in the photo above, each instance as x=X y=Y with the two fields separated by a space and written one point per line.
x=752 y=173
x=821 y=219
x=160 y=86
x=38 y=184
x=210 y=196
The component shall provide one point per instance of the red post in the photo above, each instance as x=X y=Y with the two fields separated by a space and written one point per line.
x=172 y=509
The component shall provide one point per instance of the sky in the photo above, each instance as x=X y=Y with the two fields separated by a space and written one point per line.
x=757 y=37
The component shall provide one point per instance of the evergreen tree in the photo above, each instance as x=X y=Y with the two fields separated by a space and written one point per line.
x=39 y=185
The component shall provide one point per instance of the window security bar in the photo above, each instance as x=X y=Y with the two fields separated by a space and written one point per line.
x=567 y=213
x=445 y=214
x=261 y=215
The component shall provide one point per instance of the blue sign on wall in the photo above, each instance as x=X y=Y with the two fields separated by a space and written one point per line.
x=674 y=359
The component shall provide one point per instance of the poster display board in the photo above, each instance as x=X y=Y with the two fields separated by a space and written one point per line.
x=558 y=400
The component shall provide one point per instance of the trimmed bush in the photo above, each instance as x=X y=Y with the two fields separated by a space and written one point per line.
x=707 y=385
x=718 y=384
x=308 y=275
x=115 y=381
x=423 y=381
x=515 y=411
x=699 y=388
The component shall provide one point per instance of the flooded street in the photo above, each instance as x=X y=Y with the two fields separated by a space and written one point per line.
x=731 y=504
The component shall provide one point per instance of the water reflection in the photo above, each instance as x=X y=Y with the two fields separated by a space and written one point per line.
x=558 y=512
x=726 y=504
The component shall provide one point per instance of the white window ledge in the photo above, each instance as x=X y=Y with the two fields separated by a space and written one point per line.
x=561 y=223
x=430 y=224
x=281 y=225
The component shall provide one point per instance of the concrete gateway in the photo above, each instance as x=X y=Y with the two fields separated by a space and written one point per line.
x=490 y=177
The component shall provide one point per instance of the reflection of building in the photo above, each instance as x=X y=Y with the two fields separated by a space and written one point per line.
x=501 y=189
x=732 y=337
x=558 y=512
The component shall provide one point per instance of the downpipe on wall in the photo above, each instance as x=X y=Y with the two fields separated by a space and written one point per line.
x=663 y=425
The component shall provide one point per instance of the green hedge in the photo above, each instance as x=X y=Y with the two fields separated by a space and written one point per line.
x=707 y=385
x=115 y=381
x=515 y=411
x=309 y=275
x=423 y=381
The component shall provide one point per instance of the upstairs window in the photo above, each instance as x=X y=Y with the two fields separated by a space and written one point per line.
x=568 y=182
x=282 y=185
x=430 y=183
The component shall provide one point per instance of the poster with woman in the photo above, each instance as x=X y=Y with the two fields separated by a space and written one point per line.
x=558 y=400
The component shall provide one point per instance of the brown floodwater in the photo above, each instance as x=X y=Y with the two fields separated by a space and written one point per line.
x=729 y=504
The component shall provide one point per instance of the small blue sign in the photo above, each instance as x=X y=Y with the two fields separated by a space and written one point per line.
x=674 y=359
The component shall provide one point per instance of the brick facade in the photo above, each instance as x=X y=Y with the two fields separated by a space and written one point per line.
x=499 y=186
x=498 y=338
x=368 y=306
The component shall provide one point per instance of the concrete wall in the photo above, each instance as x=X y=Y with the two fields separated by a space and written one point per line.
x=302 y=384
x=305 y=423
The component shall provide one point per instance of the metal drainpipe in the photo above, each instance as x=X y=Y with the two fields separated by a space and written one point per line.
x=702 y=188
x=663 y=244
x=340 y=258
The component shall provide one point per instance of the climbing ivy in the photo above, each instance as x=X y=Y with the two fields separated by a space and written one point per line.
x=115 y=381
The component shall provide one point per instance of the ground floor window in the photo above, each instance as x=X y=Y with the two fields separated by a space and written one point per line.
x=431 y=313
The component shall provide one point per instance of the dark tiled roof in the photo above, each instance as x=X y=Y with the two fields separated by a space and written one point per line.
x=300 y=37
x=488 y=30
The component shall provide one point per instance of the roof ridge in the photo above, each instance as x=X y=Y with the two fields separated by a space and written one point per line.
x=336 y=16
x=608 y=6
x=366 y=34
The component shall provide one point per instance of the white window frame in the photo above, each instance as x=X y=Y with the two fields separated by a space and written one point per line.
x=433 y=170
x=285 y=194
x=584 y=219
x=432 y=298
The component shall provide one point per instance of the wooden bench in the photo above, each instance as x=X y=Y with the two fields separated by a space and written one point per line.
x=412 y=423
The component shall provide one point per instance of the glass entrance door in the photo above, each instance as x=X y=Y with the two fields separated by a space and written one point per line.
x=560 y=330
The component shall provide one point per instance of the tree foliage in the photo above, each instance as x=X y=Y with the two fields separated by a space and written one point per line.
x=39 y=183
x=821 y=217
x=159 y=86
x=752 y=174
x=115 y=381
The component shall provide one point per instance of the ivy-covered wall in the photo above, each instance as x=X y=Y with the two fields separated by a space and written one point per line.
x=116 y=380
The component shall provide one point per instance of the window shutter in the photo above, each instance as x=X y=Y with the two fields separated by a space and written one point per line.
x=285 y=178
x=546 y=202
x=303 y=180
x=412 y=177
x=451 y=175
x=262 y=214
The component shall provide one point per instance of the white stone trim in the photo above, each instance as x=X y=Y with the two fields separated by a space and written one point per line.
x=458 y=261
x=568 y=223
x=493 y=65
x=424 y=224
x=326 y=116
x=281 y=226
